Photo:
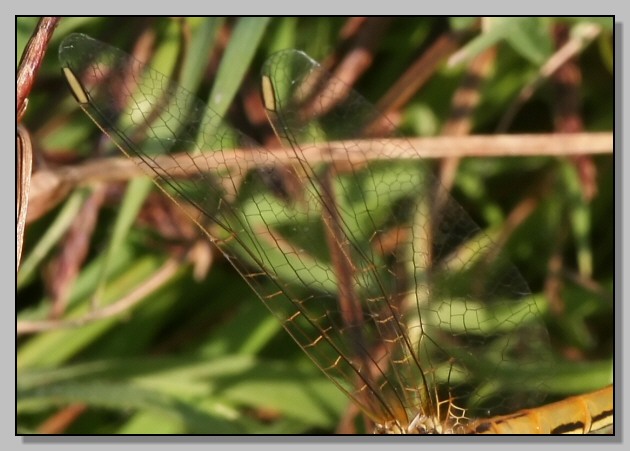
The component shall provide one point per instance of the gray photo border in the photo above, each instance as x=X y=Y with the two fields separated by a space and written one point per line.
x=535 y=7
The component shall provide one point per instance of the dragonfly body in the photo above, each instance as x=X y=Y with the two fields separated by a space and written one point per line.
x=575 y=415
x=580 y=414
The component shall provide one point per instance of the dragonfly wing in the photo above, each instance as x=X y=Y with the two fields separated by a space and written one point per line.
x=200 y=161
x=390 y=292
x=447 y=310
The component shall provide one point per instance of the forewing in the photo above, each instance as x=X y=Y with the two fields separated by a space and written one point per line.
x=376 y=273
x=444 y=313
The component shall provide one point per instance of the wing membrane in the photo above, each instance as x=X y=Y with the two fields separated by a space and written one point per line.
x=395 y=295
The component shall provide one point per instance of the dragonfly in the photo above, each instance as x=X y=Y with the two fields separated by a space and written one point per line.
x=368 y=263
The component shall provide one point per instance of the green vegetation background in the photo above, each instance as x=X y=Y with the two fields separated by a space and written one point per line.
x=205 y=356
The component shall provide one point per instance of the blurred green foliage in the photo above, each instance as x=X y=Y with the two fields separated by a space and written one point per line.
x=205 y=356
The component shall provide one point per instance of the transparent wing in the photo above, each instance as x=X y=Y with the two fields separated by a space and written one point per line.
x=377 y=274
x=436 y=302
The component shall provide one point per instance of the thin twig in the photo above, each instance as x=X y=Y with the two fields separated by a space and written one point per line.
x=24 y=173
x=157 y=280
x=418 y=74
x=48 y=187
x=31 y=60
x=575 y=45
x=459 y=123
x=73 y=251
x=58 y=422
x=361 y=50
